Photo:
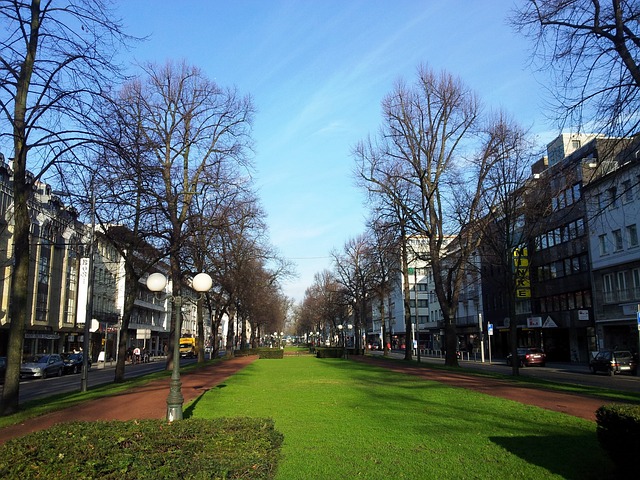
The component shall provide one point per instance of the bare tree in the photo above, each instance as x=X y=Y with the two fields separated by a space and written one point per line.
x=384 y=251
x=390 y=196
x=55 y=58
x=511 y=196
x=357 y=273
x=593 y=48
x=192 y=126
x=123 y=198
x=435 y=149
x=323 y=303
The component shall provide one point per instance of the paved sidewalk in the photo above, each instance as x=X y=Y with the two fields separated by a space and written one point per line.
x=146 y=402
x=582 y=406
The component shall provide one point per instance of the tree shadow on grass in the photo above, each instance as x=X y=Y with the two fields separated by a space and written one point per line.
x=570 y=456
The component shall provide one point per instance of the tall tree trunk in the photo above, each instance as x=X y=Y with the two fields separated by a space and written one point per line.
x=230 y=334
x=408 y=354
x=200 y=336
x=130 y=295
x=19 y=291
x=18 y=310
x=383 y=324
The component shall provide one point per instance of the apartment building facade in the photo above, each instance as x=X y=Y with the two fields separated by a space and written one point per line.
x=613 y=210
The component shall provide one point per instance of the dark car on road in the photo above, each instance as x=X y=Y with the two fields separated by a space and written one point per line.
x=614 y=361
x=73 y=362
x=529 y=357
x=42 y=366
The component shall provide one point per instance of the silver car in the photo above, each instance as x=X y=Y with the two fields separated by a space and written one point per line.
x=42 y=366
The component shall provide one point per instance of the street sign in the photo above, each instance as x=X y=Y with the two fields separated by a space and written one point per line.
x=490 y=327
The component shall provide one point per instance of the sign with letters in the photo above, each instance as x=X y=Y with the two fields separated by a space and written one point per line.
x=534 y=322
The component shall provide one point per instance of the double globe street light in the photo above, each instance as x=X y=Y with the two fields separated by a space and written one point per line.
x=156 y=282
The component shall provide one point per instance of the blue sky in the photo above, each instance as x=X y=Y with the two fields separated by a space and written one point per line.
x=317 y=71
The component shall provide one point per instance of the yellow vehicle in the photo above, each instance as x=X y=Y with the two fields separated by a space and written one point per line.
x=188 y=347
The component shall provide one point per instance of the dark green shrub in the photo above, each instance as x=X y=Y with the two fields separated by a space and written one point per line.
x=329 y=352
x=245 y=352
x=619 y=434
x=230 y=448
x=271 y=353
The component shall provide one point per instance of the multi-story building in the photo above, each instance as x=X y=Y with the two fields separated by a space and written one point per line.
x=57 y=243
x=426 y=316
x=613 y=212
x=562 y=299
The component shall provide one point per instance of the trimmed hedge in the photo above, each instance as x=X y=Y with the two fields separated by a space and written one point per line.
x=228 y=448
x=245 y=352
x=271 y=353
x=329 y=352
x=337 y=352
x=619 y=434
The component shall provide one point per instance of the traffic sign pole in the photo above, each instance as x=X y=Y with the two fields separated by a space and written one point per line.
x=638 y=318
x=490 y=334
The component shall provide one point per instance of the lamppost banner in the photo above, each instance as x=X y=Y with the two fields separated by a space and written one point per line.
x=83 y=289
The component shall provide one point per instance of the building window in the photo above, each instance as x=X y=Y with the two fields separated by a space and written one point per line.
x=607 y=288
x=586 y=295
x=621 y=284
x=612 y=197
x=632 y=235
x=602 y=242
x=635 y=275
x=617 y=240
x=577 y=192
x=627 y=191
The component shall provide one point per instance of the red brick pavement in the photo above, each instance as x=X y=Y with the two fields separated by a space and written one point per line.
x=572 y=404
x=146 y=402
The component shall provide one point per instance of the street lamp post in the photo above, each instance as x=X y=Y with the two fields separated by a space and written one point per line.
x=87 y=273
x=156 y=282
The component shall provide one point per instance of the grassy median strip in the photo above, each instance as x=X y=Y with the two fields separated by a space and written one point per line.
x=343 y=419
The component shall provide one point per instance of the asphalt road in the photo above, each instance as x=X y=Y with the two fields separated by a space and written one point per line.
x=99 y=374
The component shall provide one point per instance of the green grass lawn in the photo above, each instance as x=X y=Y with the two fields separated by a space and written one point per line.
x=347 y=420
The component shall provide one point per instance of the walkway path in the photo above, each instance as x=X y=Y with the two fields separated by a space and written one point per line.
x=146 y=402
x=581 y=406
x=149 y=401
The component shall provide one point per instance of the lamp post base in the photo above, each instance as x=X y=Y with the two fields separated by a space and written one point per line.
x=174 y=401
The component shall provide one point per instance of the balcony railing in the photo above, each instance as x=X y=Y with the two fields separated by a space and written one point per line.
x=625 y=295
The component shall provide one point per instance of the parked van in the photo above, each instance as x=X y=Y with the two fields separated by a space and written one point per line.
x=188 y=347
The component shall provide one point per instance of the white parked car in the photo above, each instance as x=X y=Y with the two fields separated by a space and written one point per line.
x=42 y=366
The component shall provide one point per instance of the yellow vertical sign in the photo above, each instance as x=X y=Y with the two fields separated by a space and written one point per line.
x=521 y=272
